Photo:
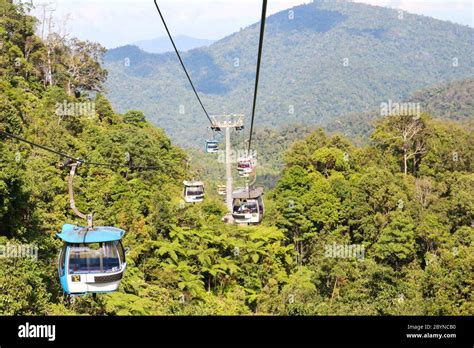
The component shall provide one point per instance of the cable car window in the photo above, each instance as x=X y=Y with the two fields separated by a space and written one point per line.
x=244 y=165
x=94 y=258
x=237 y=203
x=121 y=252
x=194 y=191
x=246 y=207
x=62 y=261
x=111 y=262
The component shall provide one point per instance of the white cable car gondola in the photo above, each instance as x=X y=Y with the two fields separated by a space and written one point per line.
x=193 y=191
x=245 y=166
x=248 y=206
x=92 y=260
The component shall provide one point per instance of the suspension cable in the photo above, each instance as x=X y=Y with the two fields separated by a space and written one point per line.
x=37 y=145
x=182 y=63
x=257 y=77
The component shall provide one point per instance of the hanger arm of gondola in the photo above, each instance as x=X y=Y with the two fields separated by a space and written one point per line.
x=72 y=202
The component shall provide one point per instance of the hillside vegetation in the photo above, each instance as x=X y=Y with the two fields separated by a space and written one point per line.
x=384 y=229
x=446 y=101
x=453 y=101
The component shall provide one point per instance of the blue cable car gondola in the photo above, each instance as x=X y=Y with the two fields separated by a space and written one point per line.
x=212 y=146
x=91 y=260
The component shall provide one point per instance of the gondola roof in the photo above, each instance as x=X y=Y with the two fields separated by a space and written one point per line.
x=193 y=183
x=82 y=235
x=248 y=194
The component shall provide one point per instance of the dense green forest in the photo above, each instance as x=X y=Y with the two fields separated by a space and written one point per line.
x=374 y=229
x=446 y=101
x=321 y=61
x=451 y=101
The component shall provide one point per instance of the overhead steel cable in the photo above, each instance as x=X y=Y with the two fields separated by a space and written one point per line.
x=257 y=77
x=64 y=155
x=182 y=63
x=76 y=159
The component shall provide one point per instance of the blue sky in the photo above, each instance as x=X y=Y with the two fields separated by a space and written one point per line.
x=118 y=22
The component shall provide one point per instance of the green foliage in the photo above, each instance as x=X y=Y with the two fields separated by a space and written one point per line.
x=134 y=117
x=22 y=286
x=409 y=226
x=10 y=117
x=451 y=101
x=329 y=159
x=446 y=101
x=396 y=243
x=104 y=110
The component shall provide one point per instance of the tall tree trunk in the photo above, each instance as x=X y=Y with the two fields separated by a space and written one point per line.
x=332 y=296
x=49 y=77
x=69 y=89
x=405 y=162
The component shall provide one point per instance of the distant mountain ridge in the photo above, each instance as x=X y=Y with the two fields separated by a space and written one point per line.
x=163 y=44
x=454 y=101
x=448 y=101
x=321 y=61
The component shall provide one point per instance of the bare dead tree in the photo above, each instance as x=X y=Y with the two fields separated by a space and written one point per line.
x=411 y=132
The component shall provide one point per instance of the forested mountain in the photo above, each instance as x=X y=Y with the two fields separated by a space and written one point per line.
x=163 y=44
x=380 y=229
x=447 y=101
x=453 y=101
x=321 y=61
